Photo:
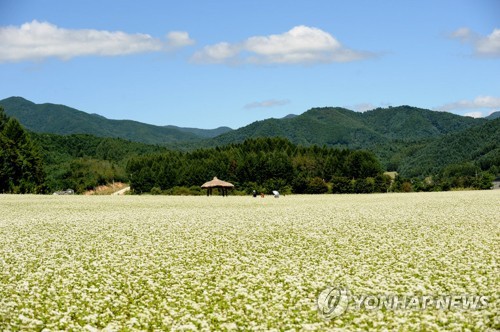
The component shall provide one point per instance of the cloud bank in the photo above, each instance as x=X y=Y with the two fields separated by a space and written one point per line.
x=484 y=46
x=39 y=40
x=300 y=45
x=178 y=39
x=474 y=114
x=480 y=102
x=363 y=107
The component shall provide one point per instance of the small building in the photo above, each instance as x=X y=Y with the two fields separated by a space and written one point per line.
x=216 y=183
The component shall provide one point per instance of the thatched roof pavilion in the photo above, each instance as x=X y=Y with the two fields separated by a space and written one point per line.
x=216 y=183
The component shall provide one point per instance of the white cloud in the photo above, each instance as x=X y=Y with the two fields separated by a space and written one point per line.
x=474 y=114
x=464 y=34
x=300 y=45
x=178 y=39
x=363 y=107
x=218 y=53
x=490 y=45
x=478 y=102
x=267 y=103
x=484 y=46
x=488 y=103
x=39 y=40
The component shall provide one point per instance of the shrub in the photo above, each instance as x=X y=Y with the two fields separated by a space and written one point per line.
x=316 y=185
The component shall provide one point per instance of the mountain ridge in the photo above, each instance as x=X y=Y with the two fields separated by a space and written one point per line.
x=64 y=120
x=340 y=127
x=493 y=116
x=413 y=141
x=330 y=126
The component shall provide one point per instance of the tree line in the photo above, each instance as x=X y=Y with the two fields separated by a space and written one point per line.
x=21 y=166
x=44 y=163
x=261 y=164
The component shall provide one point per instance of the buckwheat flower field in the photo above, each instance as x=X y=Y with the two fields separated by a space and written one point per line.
x=242 y=263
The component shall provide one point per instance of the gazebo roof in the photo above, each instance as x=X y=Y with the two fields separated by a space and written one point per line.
x=216 y=183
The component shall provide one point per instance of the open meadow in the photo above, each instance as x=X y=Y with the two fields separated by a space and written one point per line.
x=243 y=263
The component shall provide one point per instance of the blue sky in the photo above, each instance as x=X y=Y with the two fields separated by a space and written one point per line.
x=211 y=63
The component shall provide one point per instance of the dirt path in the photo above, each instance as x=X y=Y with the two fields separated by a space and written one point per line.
x=121 y=191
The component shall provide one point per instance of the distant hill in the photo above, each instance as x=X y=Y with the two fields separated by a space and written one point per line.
x=479 y=145
x=344 y=128
x=331 y=126
x=64 y=120
x=493 y=116
x=204 y=133
x=411 y=140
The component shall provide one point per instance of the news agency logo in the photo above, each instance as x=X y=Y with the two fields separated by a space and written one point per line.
x=335 y=301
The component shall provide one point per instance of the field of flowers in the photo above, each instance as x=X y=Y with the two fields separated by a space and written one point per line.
x=243 y=263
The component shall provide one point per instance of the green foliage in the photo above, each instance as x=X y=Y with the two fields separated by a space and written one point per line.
x=364 y=186
x=156 y=191
x=263 y=164
x=381 y=183
x=299 y=184
x=82 y=162
x=316 y=185
x=21 y=168
x=362 y=164
x=342 y=185
x=185 y=191
x=63 y=120
x=84 y=174
x=339 y=127
x=478 y=146
x=415 y=142
x=493 y=116
x=419 y=144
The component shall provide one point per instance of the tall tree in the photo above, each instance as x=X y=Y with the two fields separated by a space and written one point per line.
x=21 y=168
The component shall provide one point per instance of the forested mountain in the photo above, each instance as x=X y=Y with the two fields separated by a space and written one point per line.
x=478 y=146
x=63 y=120
x=493 y=116
x=391 y=133
x=328 y=126
x=344 y=128
x=452 y=150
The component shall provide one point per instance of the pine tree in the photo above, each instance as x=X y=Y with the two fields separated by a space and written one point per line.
x=21 y=167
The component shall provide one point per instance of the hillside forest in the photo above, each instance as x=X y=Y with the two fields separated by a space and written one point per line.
x=43 y=163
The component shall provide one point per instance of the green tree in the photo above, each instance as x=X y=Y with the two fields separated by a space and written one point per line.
x=381 y=183
x=364 y=186
x=316 y=185
x=20 y=160
x=341 y=185
x=299 y=184
x=362 y=164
